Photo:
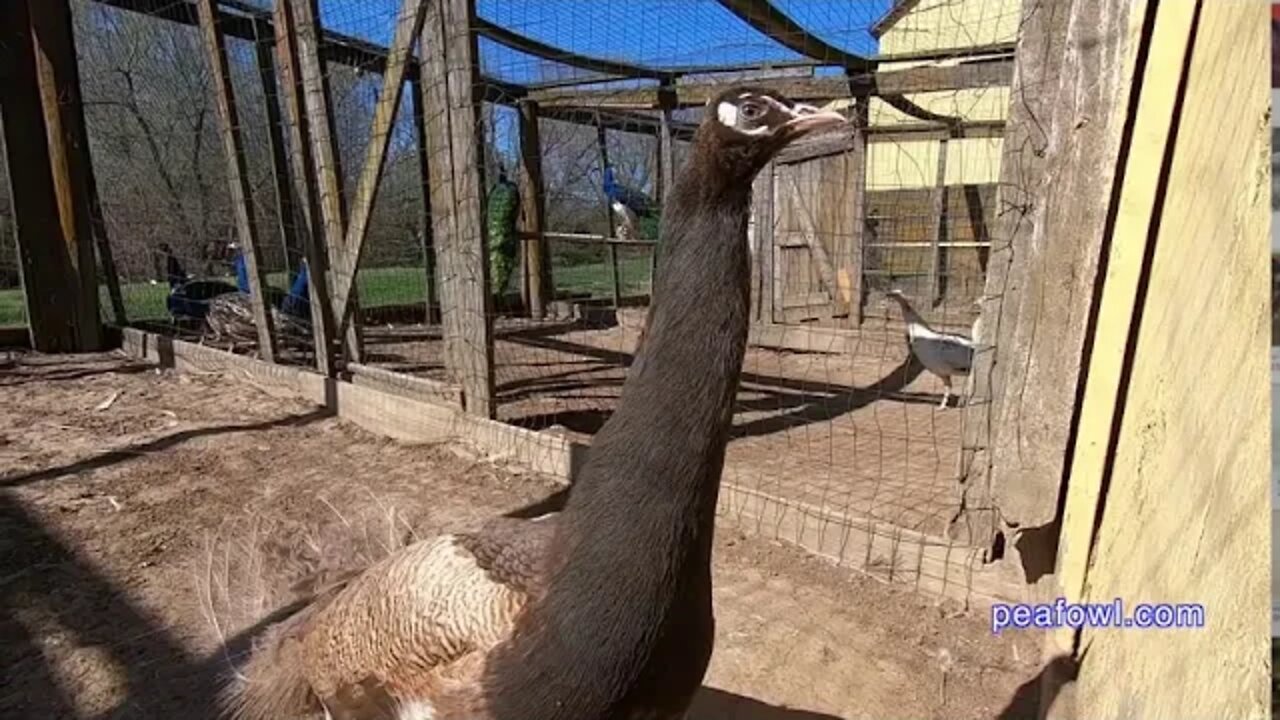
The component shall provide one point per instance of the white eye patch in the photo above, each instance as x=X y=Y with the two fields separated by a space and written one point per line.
x=728 y=115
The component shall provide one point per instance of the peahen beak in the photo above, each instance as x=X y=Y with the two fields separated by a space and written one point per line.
x=807 y=119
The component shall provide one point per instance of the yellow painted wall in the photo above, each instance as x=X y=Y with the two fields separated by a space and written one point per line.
x=1186 y=514
x=894 y=165
x=934 y=25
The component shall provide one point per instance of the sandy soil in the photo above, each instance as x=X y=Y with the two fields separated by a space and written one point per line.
x=122 y=488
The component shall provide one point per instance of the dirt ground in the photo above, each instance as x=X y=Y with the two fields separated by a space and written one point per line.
x=124 y=490
x=858 y=434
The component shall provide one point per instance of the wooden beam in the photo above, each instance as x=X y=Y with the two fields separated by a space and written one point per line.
x=328 y=169
x=303 y=170
x=287 y=211
x=858 y=188
x=621 y=120
x=963 y=76
x=666 y=167
x=602 y=154
x=42 y=251
x=333 y=47
x=408 y=26
x=843 y=142
x=238 y=177
x=68 y=160
x=449 y=73
x=561 y=56
x=666 y=141
x=1005 y=49
x=768 y=19
x=424 y=175
x=102 y=240
x=538 y=289
x=762 y=199
x=938 y=223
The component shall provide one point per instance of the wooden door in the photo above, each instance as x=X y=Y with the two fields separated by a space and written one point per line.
x=816 y=258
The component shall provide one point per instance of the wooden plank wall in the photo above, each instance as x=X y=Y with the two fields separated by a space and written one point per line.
x=1168 y=497
x=816 y=238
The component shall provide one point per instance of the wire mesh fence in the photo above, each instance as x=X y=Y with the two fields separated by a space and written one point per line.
x=483 y=187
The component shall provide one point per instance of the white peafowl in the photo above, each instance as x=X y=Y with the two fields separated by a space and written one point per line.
x=943 y=354
x=602 y=611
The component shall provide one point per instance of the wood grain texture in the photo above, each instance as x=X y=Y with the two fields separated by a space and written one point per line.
x=324 y=154
x=938 y=224
x=42 y=248
x=347 y=259
x=1018 y=258
x=537 y=287
x=307 y=201
x=68 y=158
x=449 y=78
x=237 y=176
x=424 y=174
x=885 y=82
x=1194 y=423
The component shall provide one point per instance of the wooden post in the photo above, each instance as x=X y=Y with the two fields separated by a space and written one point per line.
x=762 y=214
x=666 y=143
x=347 y=256
x=666 y=167
x=537 y=271
x=50 y=180
x=286 y=206
x=324 y=149
x=424 y=174
x=938 y=223
x=303 y=169
x=42 y=251
x=858 y=187
x=237 y=176
x=602 y=148
x=106 y=258
x=450 y=76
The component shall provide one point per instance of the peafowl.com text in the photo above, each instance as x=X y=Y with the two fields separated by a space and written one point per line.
x=1062 y=614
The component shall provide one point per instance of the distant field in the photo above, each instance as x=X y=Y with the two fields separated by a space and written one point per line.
x=377 y=287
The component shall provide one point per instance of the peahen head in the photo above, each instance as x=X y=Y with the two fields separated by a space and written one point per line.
x=745 y=126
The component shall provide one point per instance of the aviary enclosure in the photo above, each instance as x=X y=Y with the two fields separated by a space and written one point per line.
x=471 y=194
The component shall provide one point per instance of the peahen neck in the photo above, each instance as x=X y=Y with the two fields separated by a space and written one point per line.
x=627 y=613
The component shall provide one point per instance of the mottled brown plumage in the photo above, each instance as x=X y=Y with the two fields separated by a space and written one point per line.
x=603 y=611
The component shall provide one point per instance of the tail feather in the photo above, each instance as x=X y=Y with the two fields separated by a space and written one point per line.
x=262 y=583
x=272 y=684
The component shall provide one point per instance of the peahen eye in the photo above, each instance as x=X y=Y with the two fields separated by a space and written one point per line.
x=751 y=111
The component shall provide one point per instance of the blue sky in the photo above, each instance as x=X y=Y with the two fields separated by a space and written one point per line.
x=656 y=33
x=649 y=32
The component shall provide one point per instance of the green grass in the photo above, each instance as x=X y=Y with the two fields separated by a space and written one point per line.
x=377 y=287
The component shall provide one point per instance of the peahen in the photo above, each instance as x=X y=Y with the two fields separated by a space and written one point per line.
x=504 y=243
x=602 y=611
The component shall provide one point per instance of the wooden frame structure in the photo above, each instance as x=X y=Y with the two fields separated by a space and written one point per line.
x=315 y=215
